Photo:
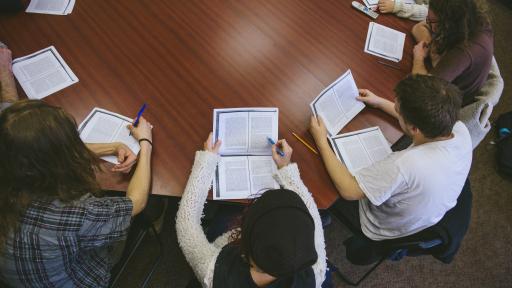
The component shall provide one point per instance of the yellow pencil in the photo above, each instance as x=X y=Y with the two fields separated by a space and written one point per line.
x=305 y=143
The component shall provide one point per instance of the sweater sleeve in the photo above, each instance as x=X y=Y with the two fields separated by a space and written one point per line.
x=200 y=254
x=289 y=178
x=416 y=12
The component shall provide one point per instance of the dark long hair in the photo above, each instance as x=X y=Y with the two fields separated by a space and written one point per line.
x=458 y=21
x=43 y=158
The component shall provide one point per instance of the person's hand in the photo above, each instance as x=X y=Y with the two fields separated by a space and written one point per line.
x=143 y=130
x=369 y=98
x=210 y=147
x=125 y=157
x=282 y=161
x=421 y=50
x=318 y=130
x=386 y=6
x=5 y=59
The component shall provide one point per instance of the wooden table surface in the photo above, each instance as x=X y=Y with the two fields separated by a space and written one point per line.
x=185 y=58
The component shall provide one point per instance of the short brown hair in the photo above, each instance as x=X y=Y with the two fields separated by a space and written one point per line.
x=430 y=103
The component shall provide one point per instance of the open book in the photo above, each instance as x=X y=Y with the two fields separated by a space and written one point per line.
x=337 y=104
x=246 y=167
x=360 y=149
x=43 y=73
x=384 y=42
x=55 y=7
x=102 y=126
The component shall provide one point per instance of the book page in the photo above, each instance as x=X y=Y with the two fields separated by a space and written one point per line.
x=232 y=128
x=232 y=178
x=261 y=171
x=337 y=104
x=361 y=148
x=376 y=145
x=102 y=126
x=262 y=125
x=384 y=42
x=54 y=7
x=43 y=73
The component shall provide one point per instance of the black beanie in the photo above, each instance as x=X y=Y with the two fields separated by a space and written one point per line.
x=278 y=233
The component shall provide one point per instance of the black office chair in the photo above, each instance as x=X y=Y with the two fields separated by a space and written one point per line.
x=140 y=227
x=442 y=240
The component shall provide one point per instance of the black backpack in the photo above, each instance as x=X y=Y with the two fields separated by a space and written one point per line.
x=504 y=144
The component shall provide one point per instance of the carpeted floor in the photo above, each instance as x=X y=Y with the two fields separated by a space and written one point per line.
x=484 y=260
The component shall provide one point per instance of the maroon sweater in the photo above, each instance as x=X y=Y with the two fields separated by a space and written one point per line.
x=468 y=66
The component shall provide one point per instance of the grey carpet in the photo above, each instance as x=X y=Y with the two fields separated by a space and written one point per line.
x=484 y=260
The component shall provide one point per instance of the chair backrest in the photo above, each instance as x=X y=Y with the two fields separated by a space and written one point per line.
x=441 y=240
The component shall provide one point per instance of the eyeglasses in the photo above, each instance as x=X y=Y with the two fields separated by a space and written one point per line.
x=430 y=21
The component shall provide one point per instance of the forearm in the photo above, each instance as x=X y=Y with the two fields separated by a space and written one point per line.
x=102 y=149
x=388 y=107
x=345 y=183
x=416 y=12
x=191 y=238
x=8 y=89
x=421 y=32
x=418 y=67
x=138 y=189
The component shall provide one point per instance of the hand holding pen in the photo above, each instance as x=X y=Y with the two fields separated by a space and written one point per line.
x=283 y=159
x=136 y=122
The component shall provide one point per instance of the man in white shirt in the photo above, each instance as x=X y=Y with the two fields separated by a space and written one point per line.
x=409 y=190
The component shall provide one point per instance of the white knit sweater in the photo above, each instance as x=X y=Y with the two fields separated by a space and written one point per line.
x=416 y=12
x=200 y=254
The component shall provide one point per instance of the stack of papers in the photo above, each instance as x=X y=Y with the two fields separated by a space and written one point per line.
x=384 y=42
x=337 y=104
x=246 y=167
x=43 y=73
x=360 y=149
x=54 y=7
x=103 y=126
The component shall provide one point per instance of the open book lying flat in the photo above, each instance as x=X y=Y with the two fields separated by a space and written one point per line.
x=337 y=104
x=103 y=126
x=43 y=73
x=360 y=149
x=246 y=167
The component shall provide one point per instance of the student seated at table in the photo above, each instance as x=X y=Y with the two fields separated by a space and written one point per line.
x=54 y=229
x=8 y=94
x=280 y=241
x=412 y=189
x=415 y=11
x=458 y=40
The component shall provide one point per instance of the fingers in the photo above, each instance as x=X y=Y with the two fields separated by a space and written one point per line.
x=313 y=123
x=207 y=144
x=121 y=155
x=217 y=145
x=321 y=122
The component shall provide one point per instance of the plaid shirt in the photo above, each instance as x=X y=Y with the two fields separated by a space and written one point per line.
x=59 y=245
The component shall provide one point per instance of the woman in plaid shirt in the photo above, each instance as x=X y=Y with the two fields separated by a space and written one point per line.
x=55 y=230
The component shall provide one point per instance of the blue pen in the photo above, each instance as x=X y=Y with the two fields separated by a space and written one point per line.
x=136 y=122
x=272 y=142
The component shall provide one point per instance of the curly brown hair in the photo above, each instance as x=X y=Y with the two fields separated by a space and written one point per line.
x=458 y=21
x=43 y=158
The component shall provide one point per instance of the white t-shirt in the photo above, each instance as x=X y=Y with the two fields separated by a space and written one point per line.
x=412 y=189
